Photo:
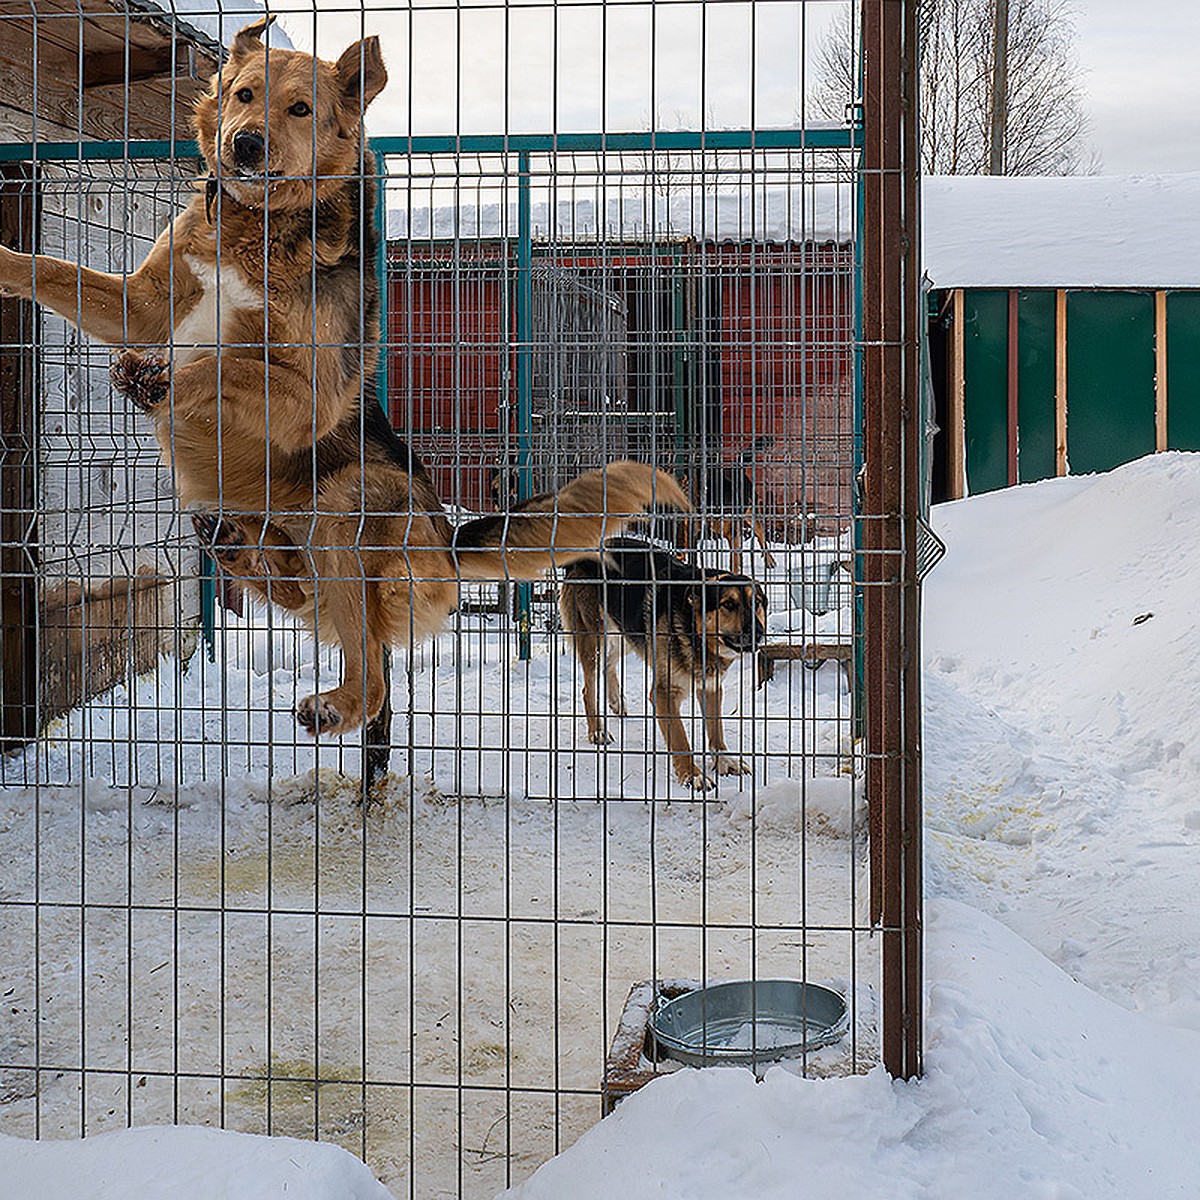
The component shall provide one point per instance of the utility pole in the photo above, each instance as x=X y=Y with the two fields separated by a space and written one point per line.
x=999 y=120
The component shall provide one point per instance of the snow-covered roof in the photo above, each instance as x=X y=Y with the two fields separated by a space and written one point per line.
x=1077 y=231
x=214 y=20
x=772 y=214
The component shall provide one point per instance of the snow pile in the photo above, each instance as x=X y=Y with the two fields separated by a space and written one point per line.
x=1035 y=1087
x=1077 y=231
x=167 y=1163
x=1061 y=759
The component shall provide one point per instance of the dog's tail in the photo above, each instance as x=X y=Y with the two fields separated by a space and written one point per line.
x=558 y=528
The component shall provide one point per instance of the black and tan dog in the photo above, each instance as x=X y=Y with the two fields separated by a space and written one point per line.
x=687 y=624
x=251 y=332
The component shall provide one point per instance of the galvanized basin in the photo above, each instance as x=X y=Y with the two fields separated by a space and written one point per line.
x=749 y=1021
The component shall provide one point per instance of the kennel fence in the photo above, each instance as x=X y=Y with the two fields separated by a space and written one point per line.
x=203 y=925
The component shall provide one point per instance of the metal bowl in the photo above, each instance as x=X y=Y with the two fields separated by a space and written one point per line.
x=749 y=1021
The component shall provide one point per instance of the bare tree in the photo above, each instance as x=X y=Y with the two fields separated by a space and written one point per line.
x=1044 y=128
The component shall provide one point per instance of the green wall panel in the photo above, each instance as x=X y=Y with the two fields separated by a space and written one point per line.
x=985 y=388
x=1183 y=370
x=1110 y=379
x=1035 y=382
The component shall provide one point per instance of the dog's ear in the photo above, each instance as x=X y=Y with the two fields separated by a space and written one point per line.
x=362 y=74
x=760 y=593
x=249 y=38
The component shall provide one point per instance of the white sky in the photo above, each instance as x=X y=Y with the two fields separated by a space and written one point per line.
x=1142 y=82
x=1137 y=61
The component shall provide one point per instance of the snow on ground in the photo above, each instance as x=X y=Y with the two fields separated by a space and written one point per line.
x=166 y=1163
x=490 y=937
x=1035 y=1087
x=1063 y=847
x=1063 y=676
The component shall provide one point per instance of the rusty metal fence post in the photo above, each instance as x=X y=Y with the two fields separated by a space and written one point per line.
x=892 y=431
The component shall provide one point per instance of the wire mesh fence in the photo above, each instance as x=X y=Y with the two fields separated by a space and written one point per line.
x=625 y=764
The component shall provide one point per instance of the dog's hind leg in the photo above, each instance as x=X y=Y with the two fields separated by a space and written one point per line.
x=588 y=650
x=761 y=535
x=613 y=653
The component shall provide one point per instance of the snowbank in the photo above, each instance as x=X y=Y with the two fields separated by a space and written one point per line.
x=1035 y=1087
x=1078 y=231
x=163 y=1162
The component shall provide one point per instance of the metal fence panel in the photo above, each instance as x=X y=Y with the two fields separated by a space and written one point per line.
x=208 y=916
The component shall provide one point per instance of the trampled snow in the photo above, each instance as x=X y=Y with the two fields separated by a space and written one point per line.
x=1063 y=849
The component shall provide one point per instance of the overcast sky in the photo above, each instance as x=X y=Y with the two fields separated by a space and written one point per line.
x=584 y=66
x=1143 y=82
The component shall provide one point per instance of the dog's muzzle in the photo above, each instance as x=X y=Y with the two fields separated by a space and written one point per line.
x=745 y=644
x=249 y=149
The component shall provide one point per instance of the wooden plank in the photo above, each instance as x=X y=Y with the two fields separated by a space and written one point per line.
x=1060 y=382
x=92 y=640
x=808 y=651
x=1160 y=371
x=18 y=458
x=62 y=70
x=956 y=434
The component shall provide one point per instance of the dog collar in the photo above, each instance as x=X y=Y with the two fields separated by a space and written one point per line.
x=211 y=187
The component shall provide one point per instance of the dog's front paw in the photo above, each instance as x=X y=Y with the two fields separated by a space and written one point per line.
x=599 y=736
x=144 y=379
x=728 y=764
x=327 y=713
x=221 y=538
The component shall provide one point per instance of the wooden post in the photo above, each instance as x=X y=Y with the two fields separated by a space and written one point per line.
x=1160 y=371
x=1060 y=382
x=892 y=439
x=956 y=434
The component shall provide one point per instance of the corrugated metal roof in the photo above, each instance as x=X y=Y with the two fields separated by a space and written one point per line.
x=213 y=21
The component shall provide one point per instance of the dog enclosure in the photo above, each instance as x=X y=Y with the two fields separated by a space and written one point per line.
x=610 y=231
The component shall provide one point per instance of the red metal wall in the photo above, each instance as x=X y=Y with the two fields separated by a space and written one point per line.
x=784 y=341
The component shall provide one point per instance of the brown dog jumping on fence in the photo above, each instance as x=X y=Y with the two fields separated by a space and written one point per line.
x=685 y=623
x=251 y=332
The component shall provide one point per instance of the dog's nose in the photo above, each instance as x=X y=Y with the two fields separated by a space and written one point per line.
x=248 y=148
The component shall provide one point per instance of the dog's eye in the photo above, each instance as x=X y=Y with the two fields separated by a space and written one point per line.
x=300 y=109
x=245 y=95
